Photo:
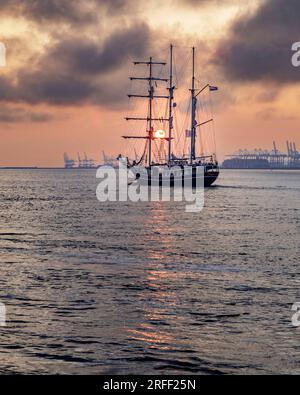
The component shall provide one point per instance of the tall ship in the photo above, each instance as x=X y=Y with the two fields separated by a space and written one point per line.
x=162 y=146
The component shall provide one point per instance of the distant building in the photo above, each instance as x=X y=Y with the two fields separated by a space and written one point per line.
x=69 y=163
x=81 y=163
x=260 y=159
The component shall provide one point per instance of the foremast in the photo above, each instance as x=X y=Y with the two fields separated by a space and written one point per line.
x=151 y=97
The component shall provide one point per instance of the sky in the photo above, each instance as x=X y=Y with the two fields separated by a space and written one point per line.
x=65 y=82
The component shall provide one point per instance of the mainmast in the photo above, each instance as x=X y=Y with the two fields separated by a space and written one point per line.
x=194 y=106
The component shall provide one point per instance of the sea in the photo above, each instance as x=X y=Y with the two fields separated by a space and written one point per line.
x=148 y=288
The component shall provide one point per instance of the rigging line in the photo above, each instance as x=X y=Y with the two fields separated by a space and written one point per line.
x=158 y=107
x=144 y=153
x=162 y=71
x=179 y=72
x=184 y=126
x=204 y=143
x=198 y=80
x=175 y=71
x=184 y=113
x=179 y=136
x=187 y=120
x=175 y=133
x=156 y=150
x=213 y=124
x=179 y=75
x=175 y=76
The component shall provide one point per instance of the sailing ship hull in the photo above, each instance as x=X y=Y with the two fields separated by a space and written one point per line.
x=179 y=177
x=210 y=178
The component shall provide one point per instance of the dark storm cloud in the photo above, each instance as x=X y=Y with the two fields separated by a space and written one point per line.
x=119 y=6
x=41 y=10
x=197 y=3
x=51 y=87
x=79 y=70
x=85 y=56
x=16 y=115
x=66 y=11
x=259 y=46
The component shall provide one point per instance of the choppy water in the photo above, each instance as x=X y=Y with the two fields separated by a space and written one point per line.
x=147 y=288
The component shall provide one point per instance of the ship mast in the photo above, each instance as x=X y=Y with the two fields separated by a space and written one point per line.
x=150 y=119
x=194 y=106
x=171 y=98
x=150 y=129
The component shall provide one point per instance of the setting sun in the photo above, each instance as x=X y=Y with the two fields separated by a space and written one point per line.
x=160 y=134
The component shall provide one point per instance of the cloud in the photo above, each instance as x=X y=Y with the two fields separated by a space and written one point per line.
x=48 y=10
x=272 y=113
x=259 y=45
x=197 y=3
x=19 y=114
x=85 y=56
x=88 y=64
x=113 y=7
x=77 y=70
x=66 y=11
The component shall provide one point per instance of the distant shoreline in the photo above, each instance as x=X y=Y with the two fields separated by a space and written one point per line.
x=257 y=168
x=41 y=168
x=95 y=168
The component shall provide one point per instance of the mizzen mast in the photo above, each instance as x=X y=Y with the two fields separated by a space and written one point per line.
x=171 y=98
x=194 y=106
